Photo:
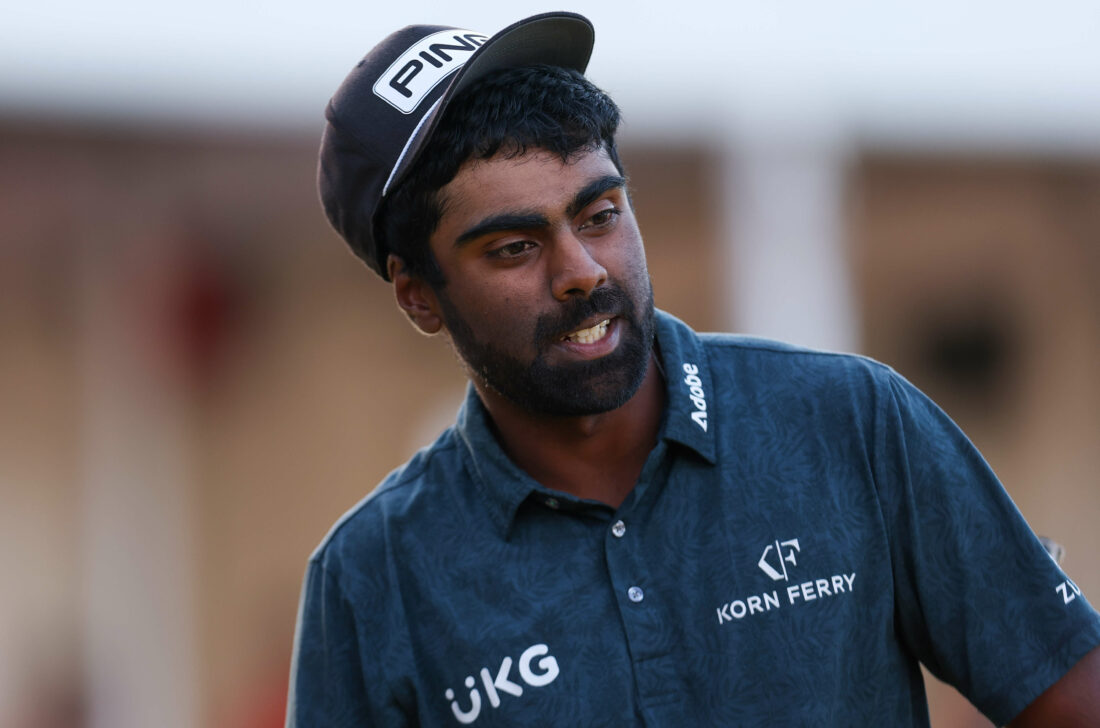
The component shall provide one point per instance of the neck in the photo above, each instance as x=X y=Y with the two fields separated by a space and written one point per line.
x=597 y=457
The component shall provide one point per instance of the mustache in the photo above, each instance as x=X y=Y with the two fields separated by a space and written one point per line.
x=609 y=299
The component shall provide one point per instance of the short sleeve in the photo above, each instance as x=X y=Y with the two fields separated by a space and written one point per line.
x=978 y=600
x=332 y=682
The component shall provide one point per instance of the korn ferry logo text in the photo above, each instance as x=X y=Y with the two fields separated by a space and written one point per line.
x=547 y=671
x=773 y=562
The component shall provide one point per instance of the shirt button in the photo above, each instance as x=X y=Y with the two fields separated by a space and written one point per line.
x=635 y=593
x=552 y=503
x=618 y=529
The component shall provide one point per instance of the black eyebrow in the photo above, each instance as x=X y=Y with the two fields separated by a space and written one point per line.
x=498 y=223
x=592 y=191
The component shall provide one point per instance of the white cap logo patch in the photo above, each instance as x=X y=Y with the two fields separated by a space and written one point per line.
x=420 y=69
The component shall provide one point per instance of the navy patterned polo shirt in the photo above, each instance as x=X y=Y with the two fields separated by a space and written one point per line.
x=808 y=527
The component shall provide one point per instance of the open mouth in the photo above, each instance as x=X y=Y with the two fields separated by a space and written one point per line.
x=590 y=335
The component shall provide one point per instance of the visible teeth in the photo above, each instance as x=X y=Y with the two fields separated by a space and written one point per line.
x=589 y=336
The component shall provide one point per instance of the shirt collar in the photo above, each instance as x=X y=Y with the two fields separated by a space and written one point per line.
x=689 y=416
x=503 y=486
x=500 y=483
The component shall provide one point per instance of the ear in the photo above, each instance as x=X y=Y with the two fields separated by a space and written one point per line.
x=414 y=296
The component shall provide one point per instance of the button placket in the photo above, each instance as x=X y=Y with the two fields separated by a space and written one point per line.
x=633 y=592
x=640 y=596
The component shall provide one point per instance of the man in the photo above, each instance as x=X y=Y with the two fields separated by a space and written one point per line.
x=631 y=523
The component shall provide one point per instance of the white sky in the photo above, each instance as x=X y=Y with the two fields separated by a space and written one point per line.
x=971 y=68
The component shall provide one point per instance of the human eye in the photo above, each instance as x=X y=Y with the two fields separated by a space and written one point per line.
x=510 y=250
x=602 y=219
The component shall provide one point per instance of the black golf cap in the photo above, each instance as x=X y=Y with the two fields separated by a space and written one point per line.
x=388 y=107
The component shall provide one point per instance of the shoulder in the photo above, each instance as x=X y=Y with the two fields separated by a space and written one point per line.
x=764 y=365
x=741 y=346
x=763 y=360
x=766 y=384
x=408 y=498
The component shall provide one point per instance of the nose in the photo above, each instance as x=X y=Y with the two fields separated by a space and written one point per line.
x=575 y=271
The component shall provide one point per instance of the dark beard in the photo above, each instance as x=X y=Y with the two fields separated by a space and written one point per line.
x=575 y=389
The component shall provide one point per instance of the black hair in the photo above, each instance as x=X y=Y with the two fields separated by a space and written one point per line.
x=505 y=113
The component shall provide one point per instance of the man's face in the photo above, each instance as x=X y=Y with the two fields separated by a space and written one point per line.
x=548 y=301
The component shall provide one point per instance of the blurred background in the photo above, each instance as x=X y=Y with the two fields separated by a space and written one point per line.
x=197 y=379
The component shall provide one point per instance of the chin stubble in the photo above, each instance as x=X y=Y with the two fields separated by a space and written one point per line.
x=575 y=389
